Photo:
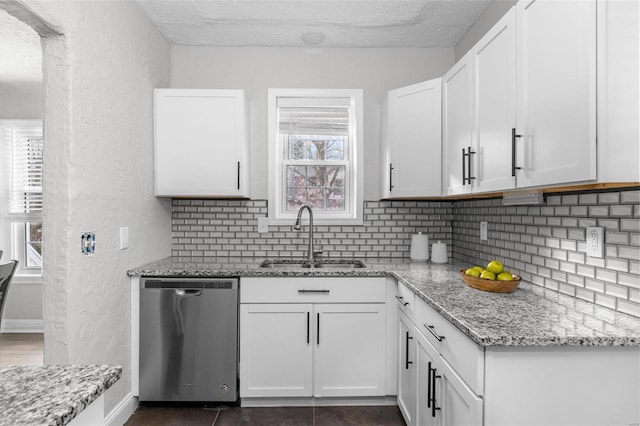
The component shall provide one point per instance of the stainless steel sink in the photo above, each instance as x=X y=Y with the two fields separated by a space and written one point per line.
x=323 y=264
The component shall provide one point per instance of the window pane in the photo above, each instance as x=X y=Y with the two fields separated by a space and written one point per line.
x=33 y=244
x=315 y=147
x=296 y=198
x=321 y=187
x=335 y=199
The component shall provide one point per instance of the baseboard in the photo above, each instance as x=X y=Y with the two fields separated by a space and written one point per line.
x=22 y=326
x=121 y=412
x=319 y=402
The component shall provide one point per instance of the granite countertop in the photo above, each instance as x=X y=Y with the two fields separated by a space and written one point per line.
x=530 y=316
x=51 y=394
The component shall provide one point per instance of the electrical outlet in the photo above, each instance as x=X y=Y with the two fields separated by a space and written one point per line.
x=263 y=224
x=124 y=237
x=595 y=241
x=483 y=231
x=88 y=243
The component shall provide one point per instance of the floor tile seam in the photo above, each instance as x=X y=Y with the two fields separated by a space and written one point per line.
x=216 y=418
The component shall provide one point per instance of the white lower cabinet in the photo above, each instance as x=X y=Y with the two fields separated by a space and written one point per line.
x=430 y=392
x=325 y=347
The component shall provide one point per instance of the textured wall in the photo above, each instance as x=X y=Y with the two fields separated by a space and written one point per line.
x=229 y=228
x=547 y=244
x=376 y=71
x=99 y=79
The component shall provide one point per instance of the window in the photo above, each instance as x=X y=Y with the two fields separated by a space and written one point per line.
x=315 y=155
x=21 y=231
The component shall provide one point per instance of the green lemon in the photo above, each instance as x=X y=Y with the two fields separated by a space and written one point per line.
x=472 y=272
x=488 y=275
x=495 y=266
x=505 y=276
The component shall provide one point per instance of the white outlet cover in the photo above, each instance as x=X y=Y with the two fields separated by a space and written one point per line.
x=595 y=241
x=124 y=237
x=483 y=231
x=263 y=224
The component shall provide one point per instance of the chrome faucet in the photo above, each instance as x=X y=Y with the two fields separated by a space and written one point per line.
x=298 y=227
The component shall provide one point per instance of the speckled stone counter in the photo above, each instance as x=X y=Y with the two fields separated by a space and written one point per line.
x=530 y=316
x=53 y=394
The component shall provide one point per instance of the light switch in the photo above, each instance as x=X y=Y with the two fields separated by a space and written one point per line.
x=483 y=231
x=124 y=237
x=263 y=224
x=595 y=241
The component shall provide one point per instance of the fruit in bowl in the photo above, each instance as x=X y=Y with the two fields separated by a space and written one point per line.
x=492 y=278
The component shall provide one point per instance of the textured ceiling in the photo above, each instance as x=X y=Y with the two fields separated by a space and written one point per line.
x=340 y=23
x=20 y=51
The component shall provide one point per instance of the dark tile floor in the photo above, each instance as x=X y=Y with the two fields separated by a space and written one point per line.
x=280 y=416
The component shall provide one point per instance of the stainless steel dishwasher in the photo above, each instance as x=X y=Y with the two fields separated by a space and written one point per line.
x=189 y=339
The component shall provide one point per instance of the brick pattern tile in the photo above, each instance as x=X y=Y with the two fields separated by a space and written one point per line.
x=229 y=228
x=546 y=244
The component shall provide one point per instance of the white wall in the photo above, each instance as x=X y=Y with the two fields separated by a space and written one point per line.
x=21 y=100
x=489 y=17
x=257 y=69
x=99 y=79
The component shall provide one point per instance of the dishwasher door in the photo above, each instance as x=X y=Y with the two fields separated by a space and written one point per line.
x=188 y=339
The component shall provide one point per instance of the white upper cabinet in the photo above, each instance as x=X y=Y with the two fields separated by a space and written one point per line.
x=618 y=91
x=201 y=147
x=556 y=108
x=412 y=141
x=494 y=109
x=457 y=127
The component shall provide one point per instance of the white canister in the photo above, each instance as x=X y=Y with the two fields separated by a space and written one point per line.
x=419 y=247
x=439 y=253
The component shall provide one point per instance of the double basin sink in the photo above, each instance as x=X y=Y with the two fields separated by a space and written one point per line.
x=302 y=264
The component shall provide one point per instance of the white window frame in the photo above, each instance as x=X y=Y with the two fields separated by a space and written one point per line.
x=353 y=213
x=12 y=229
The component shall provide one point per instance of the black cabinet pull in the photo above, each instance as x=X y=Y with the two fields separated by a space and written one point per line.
x=469 y=154
x=429 y=385
x=434 y=376
x=238 y=175
x=314 y=291
x=431 y=330
x=390 y=177
x=464 y=167
x=308 y=320
x=401 y=300
x=407 y=362
x=318 y=329
x=514 y=136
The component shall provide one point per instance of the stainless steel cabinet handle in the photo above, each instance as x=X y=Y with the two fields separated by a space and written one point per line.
x=401 y=300
x=514 y=136
x=431 y=330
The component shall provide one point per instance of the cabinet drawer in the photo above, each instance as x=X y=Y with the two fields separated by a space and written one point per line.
x=466 y=357
x=312 y=290
x=405 y=299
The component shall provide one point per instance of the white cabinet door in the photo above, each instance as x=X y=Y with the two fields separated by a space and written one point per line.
x=407 y=378
x=276 y=350
x=556 y=73
x=200 y=143
x=427 y=413
x=414 y=141
x=349 y=357
x=457 y=126
x=494 y=66
x=458 y=404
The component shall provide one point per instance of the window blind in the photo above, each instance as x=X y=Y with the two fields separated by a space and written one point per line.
x=25 y=185
x=313 y=116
